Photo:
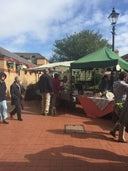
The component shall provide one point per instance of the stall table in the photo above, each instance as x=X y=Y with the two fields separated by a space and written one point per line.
x=96 y=106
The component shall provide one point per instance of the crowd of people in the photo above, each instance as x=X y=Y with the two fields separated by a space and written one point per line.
x=51 y=88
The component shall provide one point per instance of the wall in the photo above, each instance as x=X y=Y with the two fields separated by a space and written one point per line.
x=26 y=77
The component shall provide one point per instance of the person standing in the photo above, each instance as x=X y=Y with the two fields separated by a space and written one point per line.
x=123 y=122
x=120 y=88
x=104 y=85
x=16 y=97
x=45 y=87
x=23 y=93
x=65 y=90
x=55 y=94
x=3 y=102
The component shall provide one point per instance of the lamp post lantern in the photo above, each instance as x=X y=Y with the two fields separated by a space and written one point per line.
x=113 y=17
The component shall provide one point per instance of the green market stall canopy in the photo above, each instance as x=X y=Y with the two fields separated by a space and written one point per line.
x=101 y=58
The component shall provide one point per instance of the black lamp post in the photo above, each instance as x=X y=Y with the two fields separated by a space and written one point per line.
x=113 y=17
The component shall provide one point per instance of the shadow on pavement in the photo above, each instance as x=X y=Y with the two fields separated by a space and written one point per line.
x=69 y=158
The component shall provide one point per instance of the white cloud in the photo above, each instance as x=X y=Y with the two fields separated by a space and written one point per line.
x=25 y=22
x=122 y=34
x=20 y=40
x=21 y=16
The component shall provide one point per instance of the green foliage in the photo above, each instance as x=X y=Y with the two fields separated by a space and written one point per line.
x=119 y=107
x=77 y=45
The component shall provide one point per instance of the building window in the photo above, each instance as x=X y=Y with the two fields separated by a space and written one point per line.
x=34 y=60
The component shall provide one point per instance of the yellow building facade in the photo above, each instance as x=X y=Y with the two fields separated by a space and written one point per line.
x=14 y=66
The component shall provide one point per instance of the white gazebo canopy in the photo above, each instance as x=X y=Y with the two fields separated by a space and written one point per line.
x=56 y=65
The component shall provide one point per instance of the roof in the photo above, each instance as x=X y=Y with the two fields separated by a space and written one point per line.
x=6 y=53
x=125 y=57
x=28 y=55
x=101 y=58
x=53 y=65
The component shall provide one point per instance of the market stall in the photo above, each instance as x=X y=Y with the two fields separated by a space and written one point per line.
x=102 y=59
x=62 y=68
x=96 y=106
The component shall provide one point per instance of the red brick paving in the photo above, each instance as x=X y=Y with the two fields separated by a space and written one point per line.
x=39 y=143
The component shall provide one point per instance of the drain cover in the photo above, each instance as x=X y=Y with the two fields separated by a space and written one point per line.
x=74 y=128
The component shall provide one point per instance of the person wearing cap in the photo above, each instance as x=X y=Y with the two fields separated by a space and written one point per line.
x=45 y=86
x=16 y=97
x=3 y=102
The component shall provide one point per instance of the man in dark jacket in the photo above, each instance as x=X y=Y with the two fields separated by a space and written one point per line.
x=45 y=87
x=16 y=97
x=3 y=103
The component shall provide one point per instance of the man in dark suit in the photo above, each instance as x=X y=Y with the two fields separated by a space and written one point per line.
x=16 y=97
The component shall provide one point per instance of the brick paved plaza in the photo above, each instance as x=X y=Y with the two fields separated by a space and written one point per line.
x=39 y=143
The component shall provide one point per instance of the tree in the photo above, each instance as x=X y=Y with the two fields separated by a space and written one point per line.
x=77 y=45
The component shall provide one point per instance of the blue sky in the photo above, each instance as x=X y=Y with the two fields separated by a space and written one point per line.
x=34 y=25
